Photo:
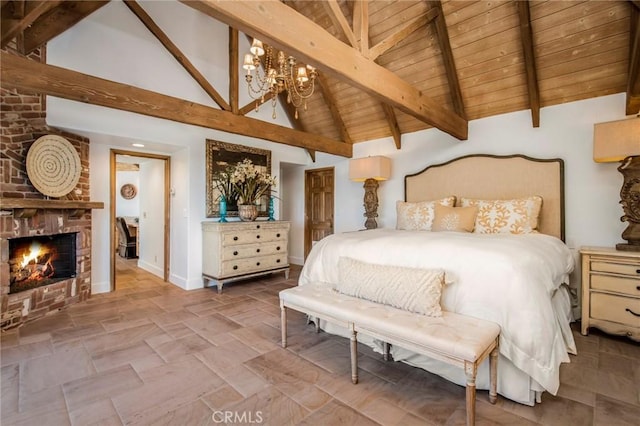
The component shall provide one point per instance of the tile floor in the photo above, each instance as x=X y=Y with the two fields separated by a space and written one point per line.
x=151 y=353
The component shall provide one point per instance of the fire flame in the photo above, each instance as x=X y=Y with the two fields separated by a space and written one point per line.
x=35 y=251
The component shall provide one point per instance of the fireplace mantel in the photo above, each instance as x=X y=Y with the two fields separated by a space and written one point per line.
x=27 y=207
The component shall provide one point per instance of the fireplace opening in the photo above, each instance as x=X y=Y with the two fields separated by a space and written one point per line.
x=41 y=260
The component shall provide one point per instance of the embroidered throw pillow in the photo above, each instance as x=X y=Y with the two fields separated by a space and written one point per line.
x=517 y=216
x=459 y=219
x=411 y=289
x=418 y=216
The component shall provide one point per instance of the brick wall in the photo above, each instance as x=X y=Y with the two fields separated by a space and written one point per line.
x=22 y=116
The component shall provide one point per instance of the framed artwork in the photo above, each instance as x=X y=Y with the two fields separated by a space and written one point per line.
x=219 y=156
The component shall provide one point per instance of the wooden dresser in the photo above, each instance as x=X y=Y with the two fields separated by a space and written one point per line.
x=611 y=291
x=237 y=250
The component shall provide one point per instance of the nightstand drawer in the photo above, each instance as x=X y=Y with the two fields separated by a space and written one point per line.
x=615 y=308
x=630 y=286
x=616 y=268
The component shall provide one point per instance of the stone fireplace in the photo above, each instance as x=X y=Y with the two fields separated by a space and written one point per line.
x=26 y=213
x=41 y=260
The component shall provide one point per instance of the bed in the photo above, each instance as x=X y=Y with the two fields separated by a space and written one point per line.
x=519 y=281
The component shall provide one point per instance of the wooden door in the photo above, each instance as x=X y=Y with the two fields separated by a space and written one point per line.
x=318 y=190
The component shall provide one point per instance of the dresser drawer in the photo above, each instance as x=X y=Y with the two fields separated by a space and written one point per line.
x=253 y=236
x=252 y=250
x=258 y=263
x=630 y=286
x=615 y=308
x=616 y=268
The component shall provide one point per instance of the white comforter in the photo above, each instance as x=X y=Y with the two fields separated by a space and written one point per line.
x=509 y=279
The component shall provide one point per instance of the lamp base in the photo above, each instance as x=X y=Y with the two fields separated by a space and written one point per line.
x=627 y=247
x=630 y=200
x=370 y=203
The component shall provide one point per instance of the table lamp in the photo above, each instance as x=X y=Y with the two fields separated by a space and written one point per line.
x=370 y=170
x=620 y=141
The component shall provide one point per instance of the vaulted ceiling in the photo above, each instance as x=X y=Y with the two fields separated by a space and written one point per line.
x=385 y=67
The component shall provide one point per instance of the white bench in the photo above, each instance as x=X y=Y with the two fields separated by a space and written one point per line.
x=453 y=338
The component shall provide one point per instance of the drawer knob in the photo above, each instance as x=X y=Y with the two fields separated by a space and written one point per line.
x=235 y=267
x=637 y=271
x=257 y=226
x=638 y=287
x=257 y=263
x=278 y=235
x=258 y=236
x=235 y=253
x=257 y=250
x=632 y=313
x=277 y=260
x=235 y=238
x=278 y=248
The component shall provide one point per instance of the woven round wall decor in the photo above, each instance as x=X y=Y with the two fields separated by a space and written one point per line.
x=53 y=165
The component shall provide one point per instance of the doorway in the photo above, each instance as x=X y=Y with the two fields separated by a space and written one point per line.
x=318 y=206
x=156 y=217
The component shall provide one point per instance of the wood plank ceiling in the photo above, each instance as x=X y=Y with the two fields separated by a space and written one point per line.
x=386 y=68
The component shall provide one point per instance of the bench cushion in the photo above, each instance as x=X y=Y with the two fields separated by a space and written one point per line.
x=412 y=289
x=458 y=335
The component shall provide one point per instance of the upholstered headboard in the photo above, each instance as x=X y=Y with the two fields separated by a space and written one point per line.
x=496 y=177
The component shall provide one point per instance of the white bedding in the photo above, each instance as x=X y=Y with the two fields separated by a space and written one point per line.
x=513 y=280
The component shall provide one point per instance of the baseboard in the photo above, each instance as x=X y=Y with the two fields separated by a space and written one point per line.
x=293 y=260
x=151 y=268
x=103 y=287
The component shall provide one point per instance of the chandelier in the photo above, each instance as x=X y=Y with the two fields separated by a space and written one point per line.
x=280 y=73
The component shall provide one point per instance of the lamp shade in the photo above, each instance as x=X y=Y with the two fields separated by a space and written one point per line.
x=377 y=167
x=616 y=140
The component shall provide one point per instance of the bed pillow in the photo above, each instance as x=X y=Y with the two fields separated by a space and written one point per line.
x=517 y=216
x=418 y=216
x=411 y=289
x=459 y=219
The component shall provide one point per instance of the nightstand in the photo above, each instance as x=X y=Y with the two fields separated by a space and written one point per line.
x=611 y=291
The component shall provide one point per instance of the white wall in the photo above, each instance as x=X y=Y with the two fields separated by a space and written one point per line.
x=109 y=43
x=151 y=219
x=126 y=207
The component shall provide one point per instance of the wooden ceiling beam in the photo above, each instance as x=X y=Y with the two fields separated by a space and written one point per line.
x=526 y=36
x=30 y=76
x=393 y=125
x=332 y=9
x=330 y=100
x=58 y=20
x=148 y=22
x=447 y=57
x=633 y=83
x=16 y=17
x=234 y=70
x=403 y=32
x=284 y=28
x=361 y=25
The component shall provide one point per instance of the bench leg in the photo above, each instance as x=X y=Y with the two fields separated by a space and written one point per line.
x=354 y=356
x=493 y=374
x=317 y=325
x=283 y=324
x=385 y=351
x=470 y=370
